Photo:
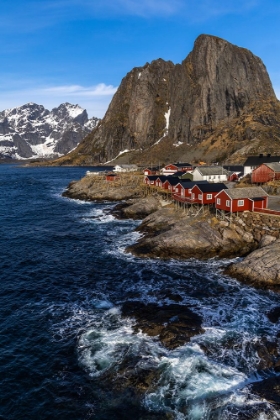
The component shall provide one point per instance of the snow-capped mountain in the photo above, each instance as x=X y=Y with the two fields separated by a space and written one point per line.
x=31 y=131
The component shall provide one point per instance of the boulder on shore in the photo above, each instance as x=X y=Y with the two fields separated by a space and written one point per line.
x=261 y=268
x=137 y=208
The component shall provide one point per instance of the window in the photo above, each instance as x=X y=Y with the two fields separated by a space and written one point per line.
x=189 y=190
x=218 y=201
x=228 y=203
x=182 y=193
x=177 y=189
x=209 y=196
x=200 y=196
x=240 y=203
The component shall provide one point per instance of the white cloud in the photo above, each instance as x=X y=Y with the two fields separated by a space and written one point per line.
x=95 y=99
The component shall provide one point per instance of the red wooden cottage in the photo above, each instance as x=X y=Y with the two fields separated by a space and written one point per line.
x=241 y=199
x=150 y=180
x=151 y=171
x=206 y=193
x=161 y=180
x=175 y=167
x=184 y=187
x=265 y=173
x=112 y=177
x=170 y=184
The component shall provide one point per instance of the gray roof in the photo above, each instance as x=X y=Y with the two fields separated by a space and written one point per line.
x=275 y=166
x=212 y=170
x=250 y=192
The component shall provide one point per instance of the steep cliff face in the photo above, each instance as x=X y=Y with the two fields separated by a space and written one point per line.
x=183 y=105
x=216 y=82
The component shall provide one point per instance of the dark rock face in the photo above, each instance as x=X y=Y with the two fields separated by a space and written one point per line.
x=33 y=131
x=173 y=324
x=185 y=103
x=268 y=389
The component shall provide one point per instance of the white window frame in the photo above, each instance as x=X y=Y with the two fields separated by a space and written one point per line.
x=228 y=203
x=218 y=201
x=200 y=196
x=189 y=190
x=209 y=197
x=177 y=189
x=240 y=203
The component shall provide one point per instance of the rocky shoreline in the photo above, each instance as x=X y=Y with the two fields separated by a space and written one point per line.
x=170 y=233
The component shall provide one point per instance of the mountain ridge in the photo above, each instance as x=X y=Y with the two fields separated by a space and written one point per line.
x=31 y=131
x=217 y=101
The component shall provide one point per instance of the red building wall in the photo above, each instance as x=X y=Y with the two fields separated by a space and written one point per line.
x=263 y=174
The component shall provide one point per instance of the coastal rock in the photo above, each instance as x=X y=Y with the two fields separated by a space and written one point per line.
x=172 y=234
x=173 y=324
x=268 y=389
x=266 y=240
x=140 y=208
x=260 y=268
x=95 y=188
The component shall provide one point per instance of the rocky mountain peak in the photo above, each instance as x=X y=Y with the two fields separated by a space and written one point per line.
x=31 y=131
x=217 y=100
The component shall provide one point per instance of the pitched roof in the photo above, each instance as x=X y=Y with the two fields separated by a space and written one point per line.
x=217 y=187
x=250 y=192
x=152 y=177
x=211 y=170
x=275 y=166
x=162 y=177
x=172 y=180
x=178 y=173
x=258 y=160
x=189 y=184
x=234 y=168
x=182 y=164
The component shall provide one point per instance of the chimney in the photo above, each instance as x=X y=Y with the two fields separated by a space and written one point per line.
x=268 y=155
x=260 y=155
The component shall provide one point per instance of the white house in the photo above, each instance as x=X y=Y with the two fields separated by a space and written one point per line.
x=125 y=168
x=210 y=173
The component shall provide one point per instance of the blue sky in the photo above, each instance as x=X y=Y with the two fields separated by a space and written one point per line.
x=55 y=51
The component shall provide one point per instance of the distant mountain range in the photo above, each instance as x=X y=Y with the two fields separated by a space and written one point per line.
x=218 y=104
x=31 y=131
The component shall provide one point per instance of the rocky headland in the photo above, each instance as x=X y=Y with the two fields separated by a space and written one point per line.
x=168 y=232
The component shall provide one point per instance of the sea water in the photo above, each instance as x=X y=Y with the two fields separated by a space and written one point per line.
x=64 y=277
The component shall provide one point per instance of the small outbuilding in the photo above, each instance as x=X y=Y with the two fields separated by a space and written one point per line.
x=112 y=177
